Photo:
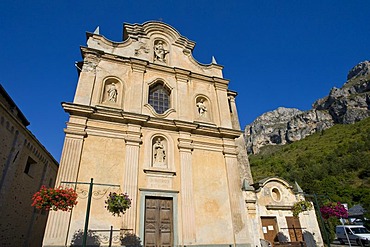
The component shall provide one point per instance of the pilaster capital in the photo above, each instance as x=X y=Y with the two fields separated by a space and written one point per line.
x=133 y=141
x=185 y=144
x=133 y=135
x=76 y=134
x=182 y=75
x=229 y=148
x=91 y=59
x=138 y=65
x=220 y=83
x=76 y=127
x=231 y=95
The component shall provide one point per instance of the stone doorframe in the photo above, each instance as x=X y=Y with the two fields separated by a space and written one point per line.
x=158 y=193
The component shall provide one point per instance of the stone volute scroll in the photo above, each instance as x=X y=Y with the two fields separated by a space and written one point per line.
x=159 y=157
x=160 y=51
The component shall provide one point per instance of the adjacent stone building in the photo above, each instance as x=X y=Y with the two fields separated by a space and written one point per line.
x=149 y=120
x=25 y=166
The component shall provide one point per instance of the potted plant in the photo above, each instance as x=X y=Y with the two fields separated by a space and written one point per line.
x=55 y=199
x=300 y=207
x=117 y=203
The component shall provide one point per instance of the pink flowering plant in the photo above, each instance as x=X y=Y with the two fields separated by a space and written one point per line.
x=54 y=199
x=117 y=203
x=333 y=209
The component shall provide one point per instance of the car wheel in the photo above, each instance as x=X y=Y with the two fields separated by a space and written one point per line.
x=341 y=241
x=359 y=242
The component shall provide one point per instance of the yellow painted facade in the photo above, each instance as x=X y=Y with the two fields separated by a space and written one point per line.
x=150 y=119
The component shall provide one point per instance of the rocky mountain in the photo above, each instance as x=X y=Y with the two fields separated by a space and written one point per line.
x=345 y=105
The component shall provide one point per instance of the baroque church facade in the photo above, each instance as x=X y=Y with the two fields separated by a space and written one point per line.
x=149 y=120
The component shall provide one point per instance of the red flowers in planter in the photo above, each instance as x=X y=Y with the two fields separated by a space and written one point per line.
x=55 y=199
x=333 y=209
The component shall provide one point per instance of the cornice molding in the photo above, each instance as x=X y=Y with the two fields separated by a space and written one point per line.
x=211 y=146
x=160 y=67
x=279 y=207
x=185 y=126
x=161 y=172
x=141 y=65
x=119 y=116
x=88 y=50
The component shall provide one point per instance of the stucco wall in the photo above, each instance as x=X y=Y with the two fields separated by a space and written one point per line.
x=20 y=223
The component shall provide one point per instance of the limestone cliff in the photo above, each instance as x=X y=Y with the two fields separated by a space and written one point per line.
x=344 y=105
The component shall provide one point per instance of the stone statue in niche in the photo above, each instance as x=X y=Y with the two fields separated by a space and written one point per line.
x=202 y=109
x=159 y=153
x=112 y=93
x=159 y=51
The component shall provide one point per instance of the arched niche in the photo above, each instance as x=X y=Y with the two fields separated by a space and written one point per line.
x=159 y=152
x=112 y=91
x=202 y=108
x=160 y=51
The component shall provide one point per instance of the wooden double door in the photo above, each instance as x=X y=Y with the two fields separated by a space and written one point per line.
x=271 y=231
x=158 y=226
x=295 y=230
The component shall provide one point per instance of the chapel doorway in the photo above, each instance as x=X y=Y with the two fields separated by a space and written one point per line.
x=158 y=227
x=269 y=229
x=294 y=228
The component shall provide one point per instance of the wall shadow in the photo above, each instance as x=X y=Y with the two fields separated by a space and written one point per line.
x=92 y=239
x=130 y=240
x=281 y=238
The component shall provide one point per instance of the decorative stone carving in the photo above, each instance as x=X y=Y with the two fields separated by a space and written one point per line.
x=112 y=93
x=159 y=153
x=159 y=51
x=142 y=48
x=91 y=61
x=202 y=109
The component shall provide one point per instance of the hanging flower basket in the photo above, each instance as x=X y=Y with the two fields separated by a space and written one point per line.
x=300 y=207
x=117 y=203
x=333 y=209
x=54 y=199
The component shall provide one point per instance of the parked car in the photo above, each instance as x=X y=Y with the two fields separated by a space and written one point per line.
x=356 y=234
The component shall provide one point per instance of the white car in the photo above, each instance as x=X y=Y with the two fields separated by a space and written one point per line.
x=355 y=233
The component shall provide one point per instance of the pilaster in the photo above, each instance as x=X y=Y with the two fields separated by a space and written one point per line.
x=135 y=95
x=187 y=196
x=234 y=111
x=86 y=80
x=57 y=227
x=235 y=192
x=183 y=79
x=223 y=108
x=130 y=174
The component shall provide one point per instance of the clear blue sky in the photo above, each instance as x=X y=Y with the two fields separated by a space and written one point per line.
x=276 y=53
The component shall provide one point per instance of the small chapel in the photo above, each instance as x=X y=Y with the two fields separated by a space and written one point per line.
x=149 y=120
